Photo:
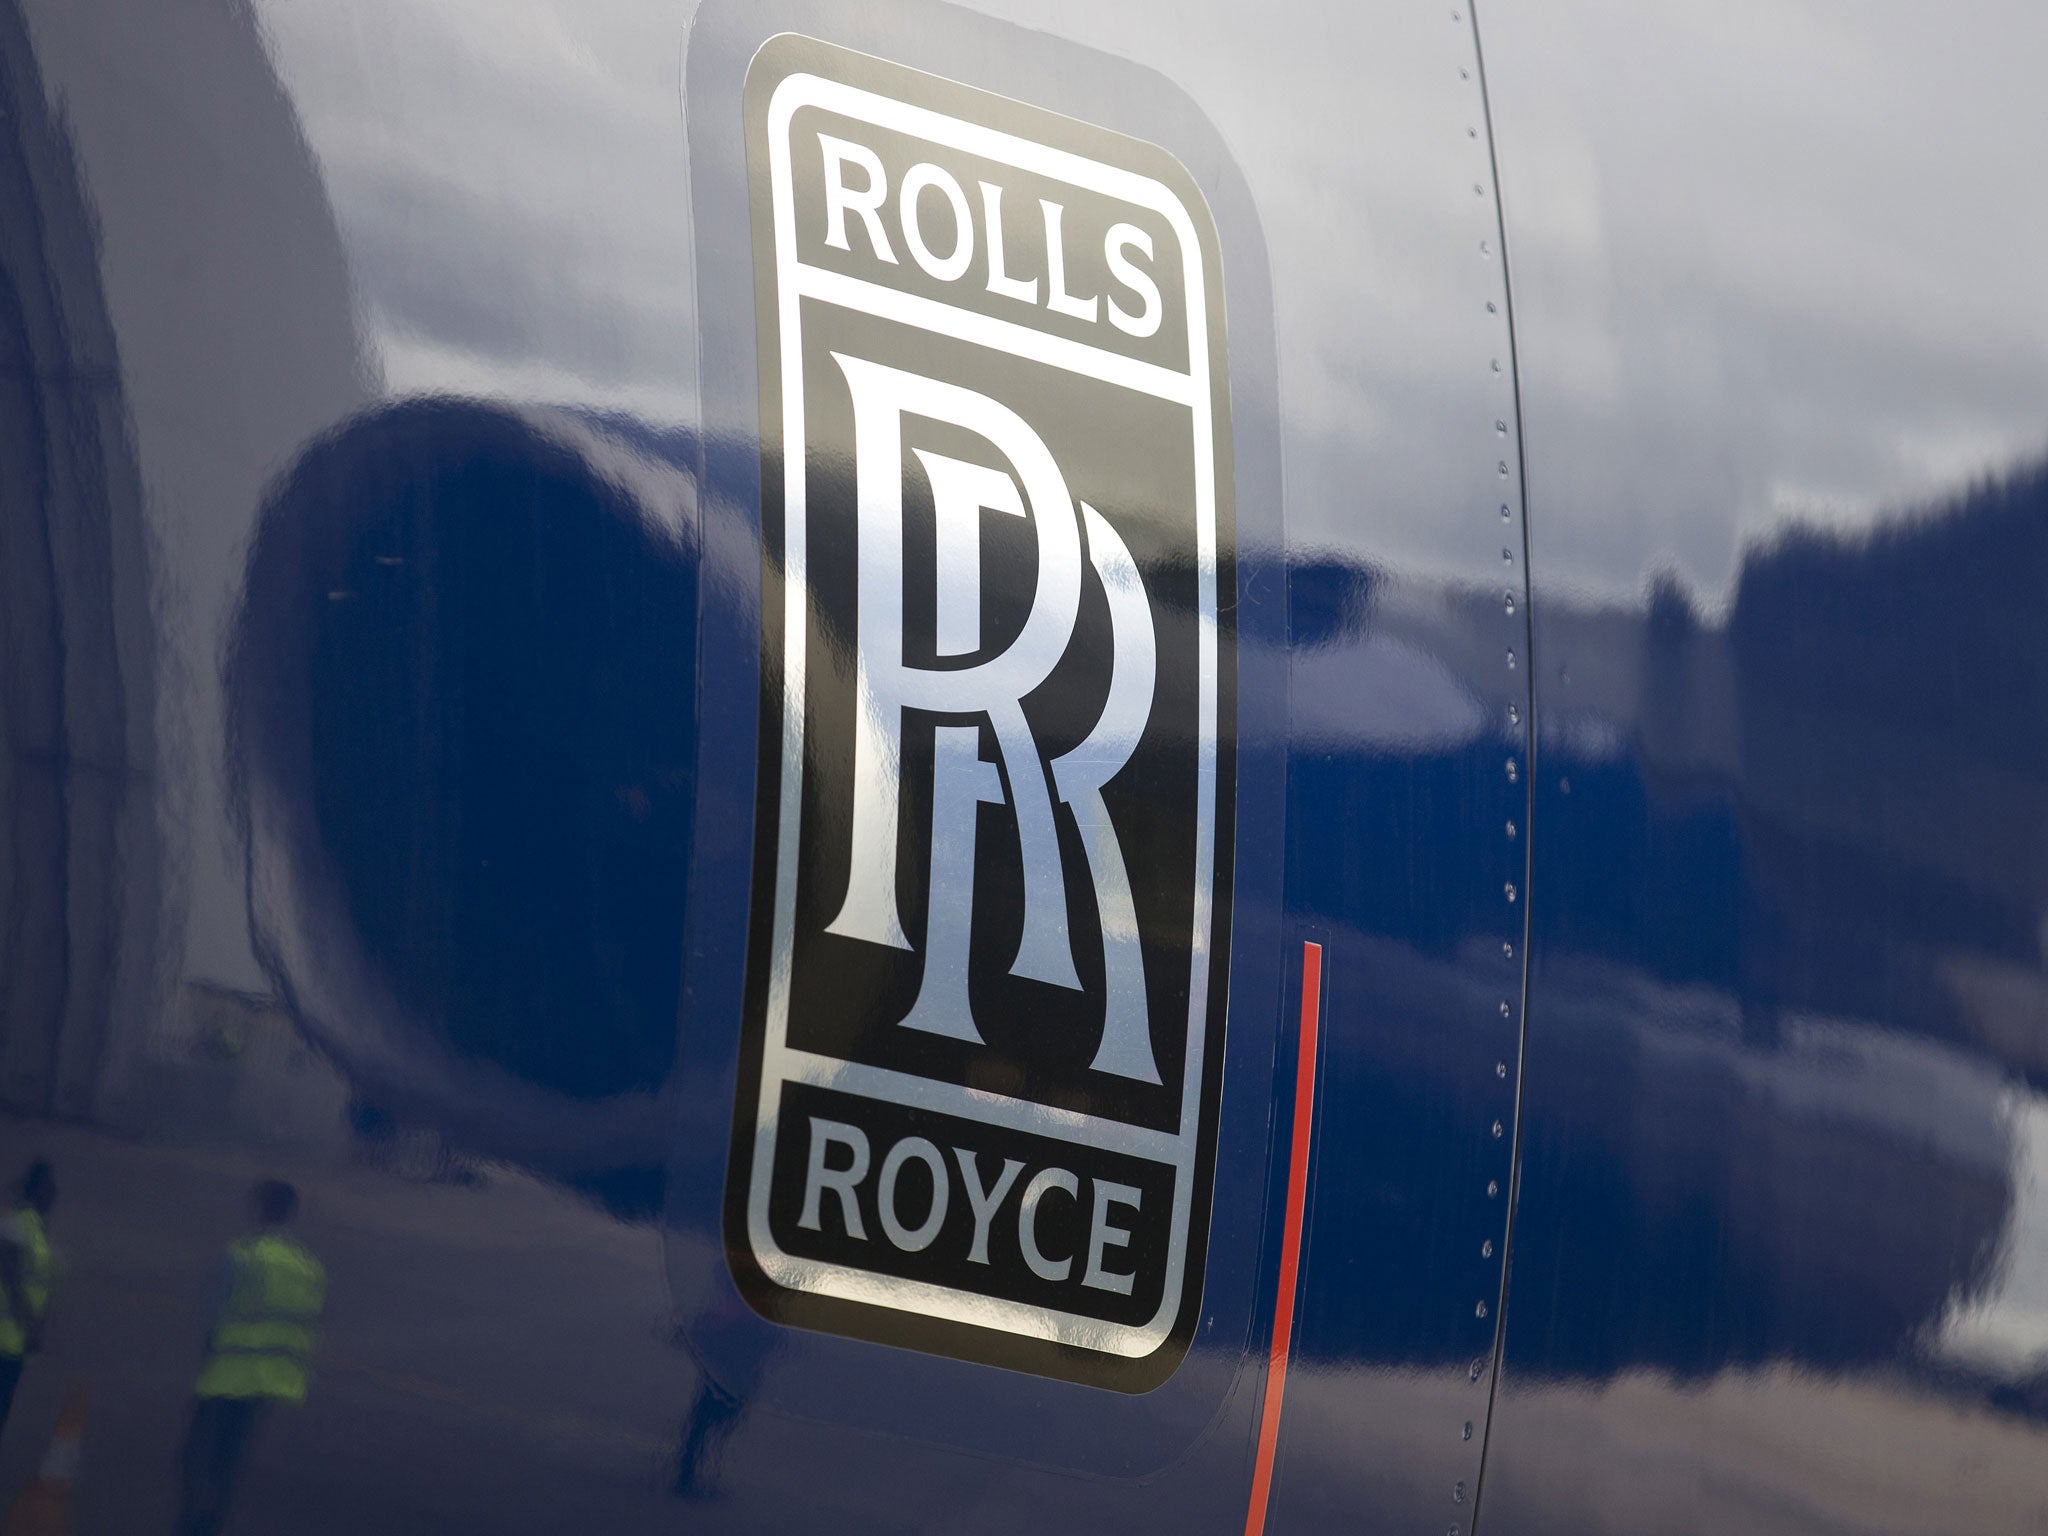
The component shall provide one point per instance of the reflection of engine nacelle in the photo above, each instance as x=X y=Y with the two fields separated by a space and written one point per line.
x=462 y=732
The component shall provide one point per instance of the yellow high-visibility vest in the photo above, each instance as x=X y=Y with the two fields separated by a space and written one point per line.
x=34 y=1242
x=263 y=1344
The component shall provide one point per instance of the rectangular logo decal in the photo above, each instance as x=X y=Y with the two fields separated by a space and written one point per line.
x=989 y=941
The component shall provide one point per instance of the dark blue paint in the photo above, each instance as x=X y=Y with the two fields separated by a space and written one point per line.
x=448 y=631
x=1851 y=656
x=375 y=678
x=1777 y=1168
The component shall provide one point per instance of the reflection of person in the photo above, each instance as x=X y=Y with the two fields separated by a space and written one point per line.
x=738 y=1341
x=25 y=1265
x=261 y=1351
x=714 y=1415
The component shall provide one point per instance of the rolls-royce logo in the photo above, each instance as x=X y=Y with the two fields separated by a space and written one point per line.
x=987 y=969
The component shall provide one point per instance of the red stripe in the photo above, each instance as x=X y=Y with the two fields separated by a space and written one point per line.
x=1290 y=1246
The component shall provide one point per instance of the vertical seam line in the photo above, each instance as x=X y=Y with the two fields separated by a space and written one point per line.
x=1514 y=1192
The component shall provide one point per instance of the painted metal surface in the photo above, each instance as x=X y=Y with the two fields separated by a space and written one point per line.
x=1777 y=1263
x=378 y=793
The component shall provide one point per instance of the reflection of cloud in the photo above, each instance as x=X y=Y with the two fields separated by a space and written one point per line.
x=1810 y=297
x=497 y=247
x=2005 y=1330
x=1761 y=277
x=1780 y=271
x=1382 y=694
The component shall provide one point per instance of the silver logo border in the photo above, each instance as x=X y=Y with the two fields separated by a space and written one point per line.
x=780 y=1062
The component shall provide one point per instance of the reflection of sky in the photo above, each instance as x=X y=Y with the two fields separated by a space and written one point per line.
x=1771 y=262
x=1382 y=692
x=509 y=178
x=500 y=249
x=1743 y=228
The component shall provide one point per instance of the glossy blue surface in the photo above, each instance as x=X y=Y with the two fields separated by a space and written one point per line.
x=1778 y=1260
x=376 y=805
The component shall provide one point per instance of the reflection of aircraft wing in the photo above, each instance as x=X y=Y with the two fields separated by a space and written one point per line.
x=476 y=611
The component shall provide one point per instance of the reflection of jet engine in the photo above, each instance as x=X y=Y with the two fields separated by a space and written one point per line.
x=462 y=728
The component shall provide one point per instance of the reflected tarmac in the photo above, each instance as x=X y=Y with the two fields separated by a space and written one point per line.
x=494 y=1357
x=1770 y=1451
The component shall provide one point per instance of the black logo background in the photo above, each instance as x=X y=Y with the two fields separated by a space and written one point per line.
x=1132 y=458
